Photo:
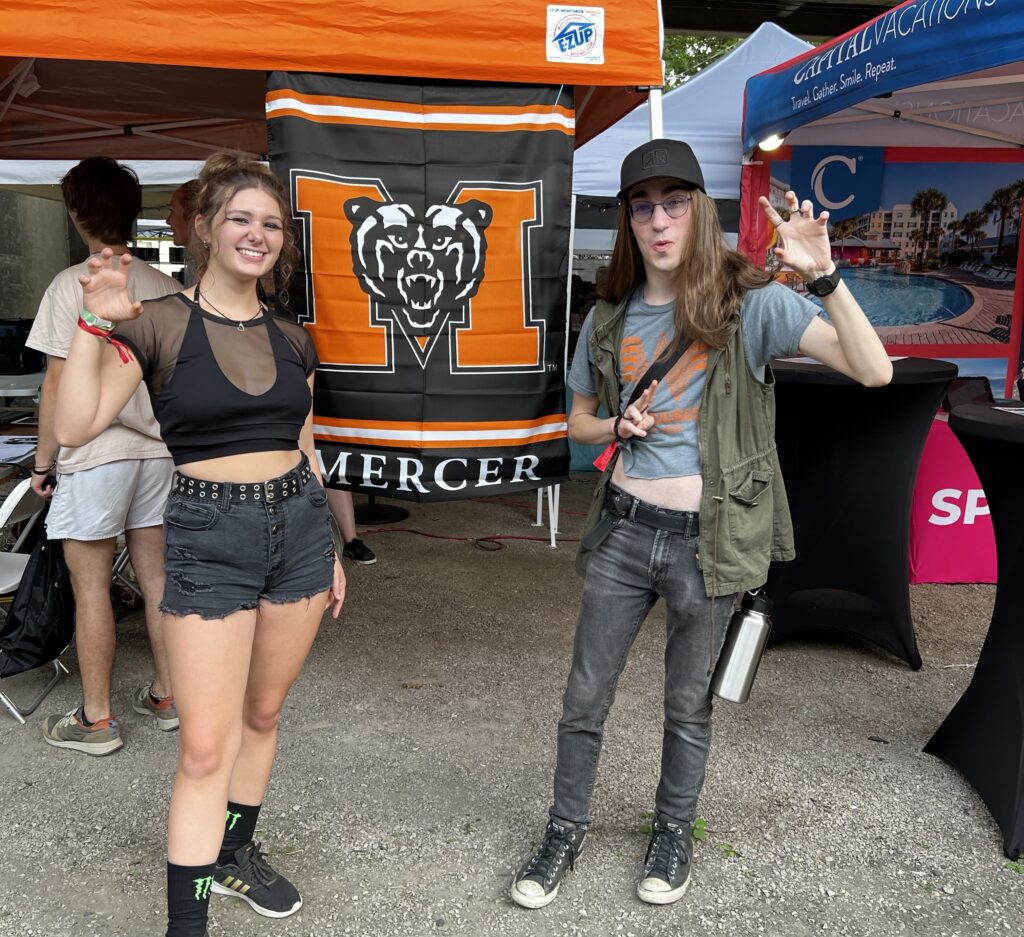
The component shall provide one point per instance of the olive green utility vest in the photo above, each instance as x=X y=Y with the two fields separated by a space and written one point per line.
x=744 y=513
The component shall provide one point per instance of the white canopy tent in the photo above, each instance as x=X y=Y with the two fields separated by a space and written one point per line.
x=706 y=112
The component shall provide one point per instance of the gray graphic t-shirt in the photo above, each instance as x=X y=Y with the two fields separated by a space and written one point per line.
x=774 y=319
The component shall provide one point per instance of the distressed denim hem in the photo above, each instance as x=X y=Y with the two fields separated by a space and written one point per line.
x=276 y=600
x=207 y=615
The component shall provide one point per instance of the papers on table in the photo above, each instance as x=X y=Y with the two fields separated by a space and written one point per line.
x=1018 y=410
x=16 y=448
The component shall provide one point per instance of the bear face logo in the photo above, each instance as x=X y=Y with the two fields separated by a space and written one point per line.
x=418 y=270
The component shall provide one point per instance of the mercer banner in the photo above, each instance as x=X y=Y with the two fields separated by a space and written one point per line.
x=434 y=221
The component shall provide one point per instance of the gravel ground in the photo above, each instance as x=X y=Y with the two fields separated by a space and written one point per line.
x=415 y=765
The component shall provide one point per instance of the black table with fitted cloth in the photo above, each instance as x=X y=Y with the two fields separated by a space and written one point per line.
x=849 y=457
x=983 y=735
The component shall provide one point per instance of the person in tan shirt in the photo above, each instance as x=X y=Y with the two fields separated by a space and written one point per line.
x=117 y=484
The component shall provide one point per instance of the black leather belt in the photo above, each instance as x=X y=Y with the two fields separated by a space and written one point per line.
x=277 y=489
x=621 y=504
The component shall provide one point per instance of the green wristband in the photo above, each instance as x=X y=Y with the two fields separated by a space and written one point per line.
x=96 y=322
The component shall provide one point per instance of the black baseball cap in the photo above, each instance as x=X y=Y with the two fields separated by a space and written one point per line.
x=658 y=158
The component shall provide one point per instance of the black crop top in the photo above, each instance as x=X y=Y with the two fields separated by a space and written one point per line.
x=218 y=390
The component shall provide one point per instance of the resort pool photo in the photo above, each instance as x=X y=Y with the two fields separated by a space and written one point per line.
x=891 y=298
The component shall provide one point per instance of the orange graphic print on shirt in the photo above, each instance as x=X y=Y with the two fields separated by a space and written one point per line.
x=691 y=365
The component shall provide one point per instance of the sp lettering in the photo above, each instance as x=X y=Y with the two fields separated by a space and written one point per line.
x=952 y=506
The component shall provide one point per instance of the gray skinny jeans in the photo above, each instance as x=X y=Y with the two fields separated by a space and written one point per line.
x=626 y=575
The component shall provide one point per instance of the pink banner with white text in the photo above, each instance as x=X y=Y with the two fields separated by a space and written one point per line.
x=951 y=537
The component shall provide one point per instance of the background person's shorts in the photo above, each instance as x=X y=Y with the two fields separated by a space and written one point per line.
x=105 y=501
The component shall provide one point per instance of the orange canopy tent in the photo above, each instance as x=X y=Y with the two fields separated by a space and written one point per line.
x=163 y=80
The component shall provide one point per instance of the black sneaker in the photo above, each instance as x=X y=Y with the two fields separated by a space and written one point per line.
x=536 y=883
x=356 y=550
x=251 y=877
x=667 y=866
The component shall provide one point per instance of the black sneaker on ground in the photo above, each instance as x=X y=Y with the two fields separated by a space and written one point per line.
x=536 y=883
x=667 y=866
x=356 y=550
x=251 y=877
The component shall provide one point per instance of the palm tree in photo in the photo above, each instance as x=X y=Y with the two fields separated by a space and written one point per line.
x=972 y=228
x=924 y=204
x=955 y=228
x=841 y=230
x=1000 y=206
x=1017 y=188
x=919 y=236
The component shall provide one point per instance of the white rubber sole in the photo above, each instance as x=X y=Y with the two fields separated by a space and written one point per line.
x=661 y=897
x=531 y=901
x=219 y=889
x=164 y=725
x=87 y=748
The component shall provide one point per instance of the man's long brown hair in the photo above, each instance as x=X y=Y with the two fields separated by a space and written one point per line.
x=710 y=282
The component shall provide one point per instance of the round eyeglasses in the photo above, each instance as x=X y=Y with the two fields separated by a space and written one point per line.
x=675 y=207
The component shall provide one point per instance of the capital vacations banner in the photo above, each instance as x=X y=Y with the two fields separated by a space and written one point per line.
x=434 y=221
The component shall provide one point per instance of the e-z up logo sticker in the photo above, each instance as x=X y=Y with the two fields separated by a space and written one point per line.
x=575 y=34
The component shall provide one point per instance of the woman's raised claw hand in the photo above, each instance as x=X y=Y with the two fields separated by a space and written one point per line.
x=803 y=239
x=105 y=287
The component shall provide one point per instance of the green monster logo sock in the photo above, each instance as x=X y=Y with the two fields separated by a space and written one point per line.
x=203 y=887
x=231 y=819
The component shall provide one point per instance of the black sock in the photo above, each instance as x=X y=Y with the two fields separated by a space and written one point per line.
x=81 y=717
x=239 y=829
x=188 y=899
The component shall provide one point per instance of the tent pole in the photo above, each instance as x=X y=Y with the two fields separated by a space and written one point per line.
x=655 y=113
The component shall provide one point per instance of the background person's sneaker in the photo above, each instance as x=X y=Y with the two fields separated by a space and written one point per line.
x=251 y=877
x=536 y=883
x=358 y=551
x=164 y=710
x=101 y=738
x=667 y=866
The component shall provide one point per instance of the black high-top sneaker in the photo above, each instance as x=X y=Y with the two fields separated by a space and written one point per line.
x=536 y=883
x=667 y=866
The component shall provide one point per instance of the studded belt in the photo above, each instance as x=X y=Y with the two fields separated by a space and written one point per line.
x=277 y=489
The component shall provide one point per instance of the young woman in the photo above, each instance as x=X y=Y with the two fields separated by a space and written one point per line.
x=249 y=554
x=693 y=508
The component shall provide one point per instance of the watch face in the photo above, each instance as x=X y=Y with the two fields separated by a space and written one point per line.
x=824 y=285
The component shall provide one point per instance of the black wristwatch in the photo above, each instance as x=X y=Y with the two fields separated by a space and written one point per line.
x=824 y=285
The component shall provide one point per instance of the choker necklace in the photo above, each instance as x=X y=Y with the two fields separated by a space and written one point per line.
x=200 y=299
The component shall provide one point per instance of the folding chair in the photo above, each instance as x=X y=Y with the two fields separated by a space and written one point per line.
x=124 y=574
x=22 y=506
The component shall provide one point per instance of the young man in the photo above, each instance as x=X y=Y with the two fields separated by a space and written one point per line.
x=692 y=508
x=182 y=213
x=181 y=220
x=115 y=485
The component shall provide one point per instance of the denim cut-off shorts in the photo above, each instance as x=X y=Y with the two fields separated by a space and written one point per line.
x=227 y=553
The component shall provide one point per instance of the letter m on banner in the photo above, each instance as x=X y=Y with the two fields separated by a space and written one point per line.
x=434 y=228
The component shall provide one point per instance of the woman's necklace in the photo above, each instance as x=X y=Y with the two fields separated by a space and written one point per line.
x=200 y=299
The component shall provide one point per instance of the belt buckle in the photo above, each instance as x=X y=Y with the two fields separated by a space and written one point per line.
x=269 y=494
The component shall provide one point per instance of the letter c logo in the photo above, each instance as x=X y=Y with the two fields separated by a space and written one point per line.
x=817 y=178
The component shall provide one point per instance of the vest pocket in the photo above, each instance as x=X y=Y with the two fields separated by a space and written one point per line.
x=751 y=486
x=749 y=506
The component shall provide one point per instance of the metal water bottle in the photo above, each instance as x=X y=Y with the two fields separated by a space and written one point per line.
x=744 y=644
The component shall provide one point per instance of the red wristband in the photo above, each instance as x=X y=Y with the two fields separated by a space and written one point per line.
x=122 y=349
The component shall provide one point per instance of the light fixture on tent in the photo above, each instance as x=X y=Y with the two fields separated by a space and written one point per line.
x=773 y=142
